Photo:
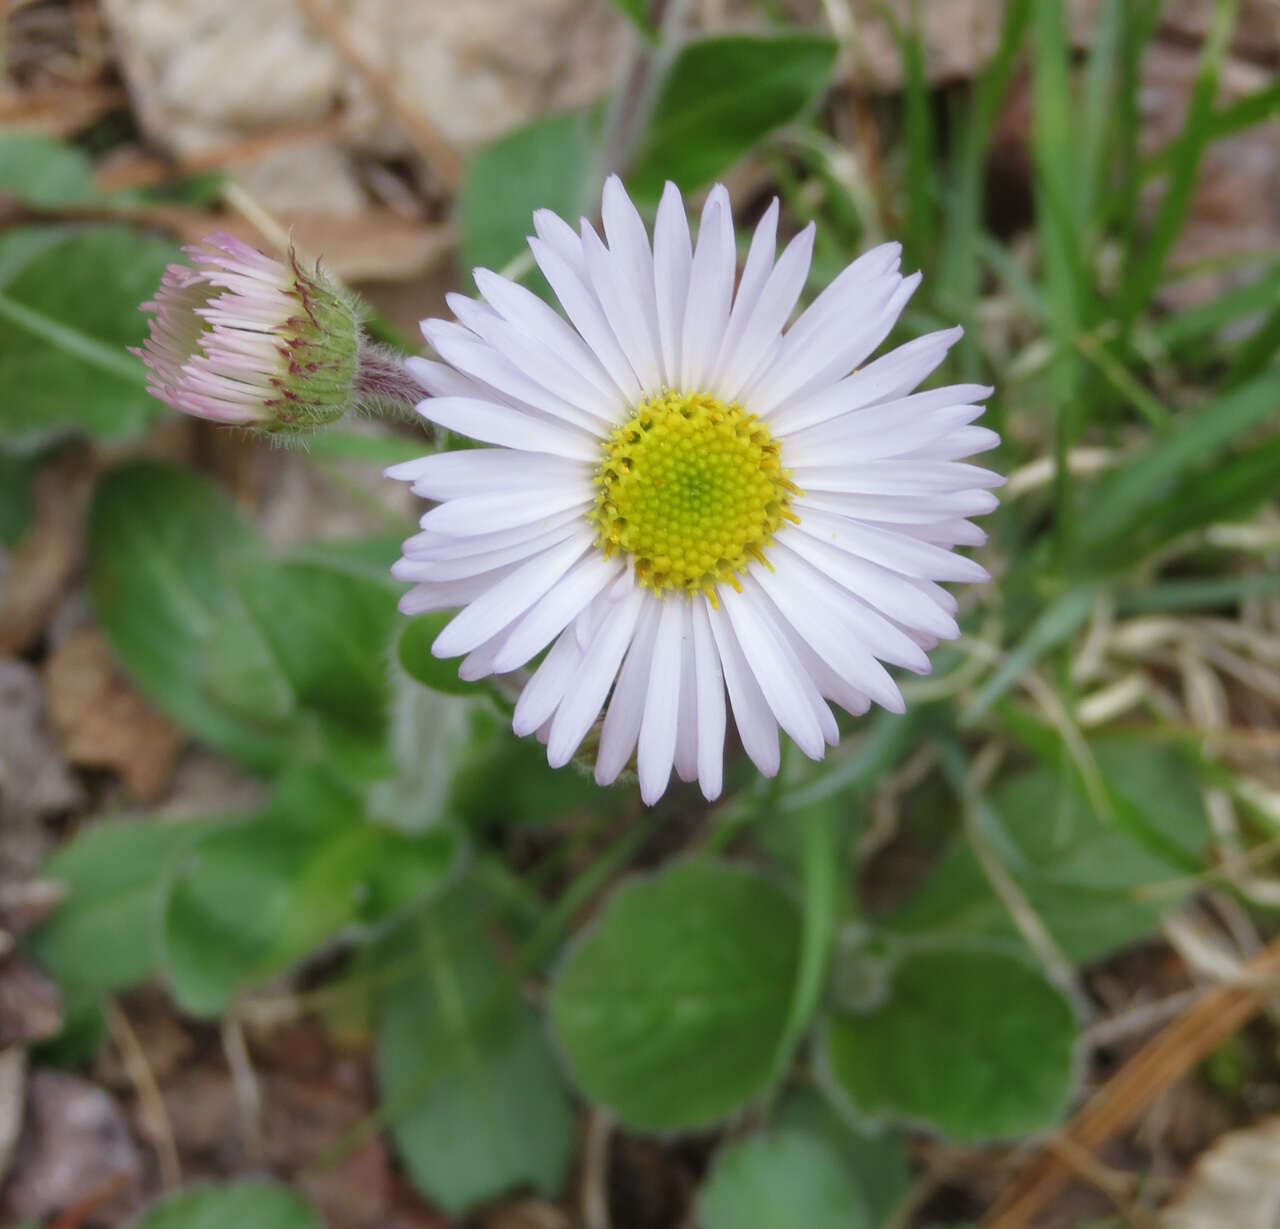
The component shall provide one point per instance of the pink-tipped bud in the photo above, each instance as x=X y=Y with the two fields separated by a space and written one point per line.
x=243 y=338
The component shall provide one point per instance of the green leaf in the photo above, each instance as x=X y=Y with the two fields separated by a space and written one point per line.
x=780 y=1180
x=161 y=546
x=507 y=780
x=975 y=1043
x=254 y=897
x=244 y=1205
x=325 y=631
x=876 y=1159
x=19 y=245
x=440 y=674
x=264 y=658
x=1089 y=877
x=476 y=1103
x=42 y=172
x=1156 y=826
x=541 y=166
x=720 y=97
x=72 y=310
x=822 y=866
x=105 y=933
x=673 y=1007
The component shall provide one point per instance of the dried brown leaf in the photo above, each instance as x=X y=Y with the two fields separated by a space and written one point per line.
x=103 y=722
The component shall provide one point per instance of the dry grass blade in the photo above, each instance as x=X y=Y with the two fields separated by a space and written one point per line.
x=1164 y=1060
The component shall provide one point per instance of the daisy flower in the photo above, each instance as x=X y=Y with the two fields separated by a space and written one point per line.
x=687 y=497
x=243 y=338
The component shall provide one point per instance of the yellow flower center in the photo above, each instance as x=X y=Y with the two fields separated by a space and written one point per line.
x=692 y=489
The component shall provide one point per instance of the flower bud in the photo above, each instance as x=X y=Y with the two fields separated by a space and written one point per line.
x=247 y=339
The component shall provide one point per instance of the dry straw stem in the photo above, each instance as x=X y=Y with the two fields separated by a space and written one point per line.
x=425 y=137
x=1164 y=1060
x=134 y=1056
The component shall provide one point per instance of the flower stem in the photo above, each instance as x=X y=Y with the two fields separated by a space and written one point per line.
x=382 y=385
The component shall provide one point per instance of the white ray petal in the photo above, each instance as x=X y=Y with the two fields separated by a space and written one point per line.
x=587 y=317
x=555 y=610
x=623 y=310
x=751 y=713
x=558 y=372
x=501 y=424
x=755 y=273
x=655 y=752
x=806 y=607
x=501 y=603
x=439 y=379
x=910 y=509
x=632 y=261
x=475 y=563
x=710 y=703
x=483 y=363
x=505 y=510
x=449 y=475
x=551 y=680
x=881 y=589
x=542 y=324
x=626 y=707
x=767 y=662
x=427 y=545
x=710 y=291
x=687 y=721
x=600 y=663
x=897 y=551
x=743 y=354
x=888 y=377
x=672 y=259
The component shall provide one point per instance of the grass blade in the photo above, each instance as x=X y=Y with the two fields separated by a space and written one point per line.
x=1149 y=258
x=1057 y=621
x=1122 y=503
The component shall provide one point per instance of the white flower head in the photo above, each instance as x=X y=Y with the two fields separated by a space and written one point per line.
x=241 y=337
x=685 y=496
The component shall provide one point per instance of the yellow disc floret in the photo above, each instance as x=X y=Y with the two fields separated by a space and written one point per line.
x=692 y=489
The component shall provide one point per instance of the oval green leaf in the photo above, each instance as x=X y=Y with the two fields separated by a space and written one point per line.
x=672 y=1009
x=476 y=1103
x=246 y=1205
x=781 y=1180
x=975 y=1043
x=69 y=370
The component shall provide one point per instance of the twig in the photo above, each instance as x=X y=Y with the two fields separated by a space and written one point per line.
x=155 y=1113
x=1164 y=1060
x=245 y=1084
x=423 y=134
x=1141 y=1018
x=82 y=1210
x=595 y=1171
x=1115 y=1184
